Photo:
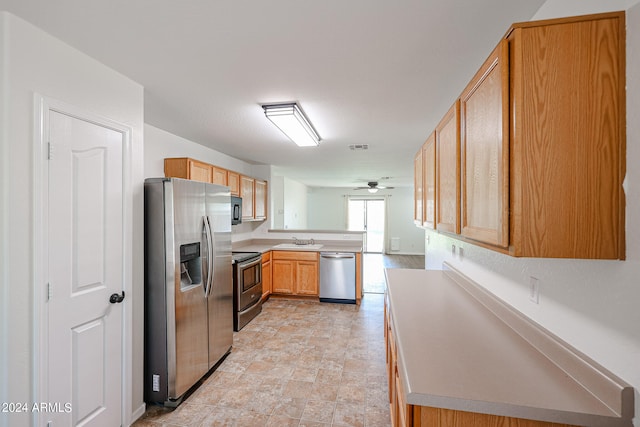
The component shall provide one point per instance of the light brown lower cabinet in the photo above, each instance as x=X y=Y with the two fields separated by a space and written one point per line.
x=295 y=273
x=266 y=275
x=407 y=415
x=423 y=416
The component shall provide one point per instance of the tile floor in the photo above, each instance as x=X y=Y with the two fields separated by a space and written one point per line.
x=299 y=363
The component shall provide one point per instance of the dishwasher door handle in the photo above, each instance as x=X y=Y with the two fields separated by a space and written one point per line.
x=328 y=255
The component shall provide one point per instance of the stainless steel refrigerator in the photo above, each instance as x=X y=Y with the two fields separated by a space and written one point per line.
x=188 y=284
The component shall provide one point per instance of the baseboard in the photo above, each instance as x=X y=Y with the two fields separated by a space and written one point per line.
x=404 y=253
x=138 y=413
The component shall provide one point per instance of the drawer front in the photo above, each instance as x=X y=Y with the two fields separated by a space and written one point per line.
x=295 y=255
x=266 y=257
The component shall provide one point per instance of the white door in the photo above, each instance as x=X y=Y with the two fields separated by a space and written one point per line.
x=85 y=267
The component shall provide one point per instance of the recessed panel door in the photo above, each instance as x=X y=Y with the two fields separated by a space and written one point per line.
x=86 y=253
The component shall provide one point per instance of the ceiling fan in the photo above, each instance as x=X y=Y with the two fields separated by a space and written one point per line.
x=373 y=187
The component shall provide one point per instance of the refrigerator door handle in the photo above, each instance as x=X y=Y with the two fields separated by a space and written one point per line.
x=210 y=255
x=209 y=259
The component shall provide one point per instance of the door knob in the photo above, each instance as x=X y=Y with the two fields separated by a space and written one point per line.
x=116 y=298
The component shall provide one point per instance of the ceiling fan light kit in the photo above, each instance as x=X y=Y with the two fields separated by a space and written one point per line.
x=373 y=187
x=290 y=119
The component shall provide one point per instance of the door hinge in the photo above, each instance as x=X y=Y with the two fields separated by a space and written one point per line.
x=49 y=291
x=49 y=151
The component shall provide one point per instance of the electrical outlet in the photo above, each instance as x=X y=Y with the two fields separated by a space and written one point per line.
x=534 y=290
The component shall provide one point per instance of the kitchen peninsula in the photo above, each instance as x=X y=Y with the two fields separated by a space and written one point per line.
x=290 y=266
x=458 y=356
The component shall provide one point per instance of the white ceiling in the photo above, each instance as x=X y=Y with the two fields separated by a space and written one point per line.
x=377 y=72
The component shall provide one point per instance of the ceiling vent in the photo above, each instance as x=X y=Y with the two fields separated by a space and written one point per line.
x=356 y=147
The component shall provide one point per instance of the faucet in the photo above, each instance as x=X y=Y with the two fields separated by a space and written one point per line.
x=296 y=241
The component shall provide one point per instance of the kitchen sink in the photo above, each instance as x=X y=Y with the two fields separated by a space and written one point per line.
x=297 y=246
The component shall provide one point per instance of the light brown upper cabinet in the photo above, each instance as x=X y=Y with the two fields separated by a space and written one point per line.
x=186 y=168
x=253 y=191
x=542 y=144
x=484 y=121
x=254 y=198
x=418 y=182
x=429 y=182
x=247 y=191
x=448 y=171
x=233 y=181
x=567 y=137
x=219 y=176
x=260 y=199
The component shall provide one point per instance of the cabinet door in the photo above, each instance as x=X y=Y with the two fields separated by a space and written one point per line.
x=568 y=142
x=448 y=171
x=484 y=119
x=307 y=278
x=219 y=176
x=260 y=199
x=266 y=278
x=200 y=171
x=247 y=194
x=429 y=182
x=233 y=181
x=186 y=168
x=284 y=276
x=418 y=182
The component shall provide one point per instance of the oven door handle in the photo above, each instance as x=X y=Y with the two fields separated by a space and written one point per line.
x=246 y=264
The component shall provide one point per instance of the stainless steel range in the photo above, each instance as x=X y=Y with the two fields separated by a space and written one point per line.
x=247 y=287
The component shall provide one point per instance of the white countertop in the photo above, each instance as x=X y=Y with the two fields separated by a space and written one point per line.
x=265 y=245
x=454 y=353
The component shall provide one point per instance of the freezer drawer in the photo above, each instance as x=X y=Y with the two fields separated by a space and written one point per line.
x=338 y=277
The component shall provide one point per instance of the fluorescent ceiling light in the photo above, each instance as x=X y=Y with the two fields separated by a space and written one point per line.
x=293 y=123
x=372 y=190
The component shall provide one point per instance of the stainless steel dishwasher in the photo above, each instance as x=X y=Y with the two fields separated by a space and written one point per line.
x=338 y=277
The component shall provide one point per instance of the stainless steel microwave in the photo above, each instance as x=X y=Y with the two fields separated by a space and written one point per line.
x=236 y=210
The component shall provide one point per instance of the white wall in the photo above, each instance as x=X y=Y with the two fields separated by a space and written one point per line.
x=34 y=62
x=295 y=204
x=276 y=211
x=400 y=222
x=328 y=208
x=593 y=305
x=160 y=144
x=328 y=211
